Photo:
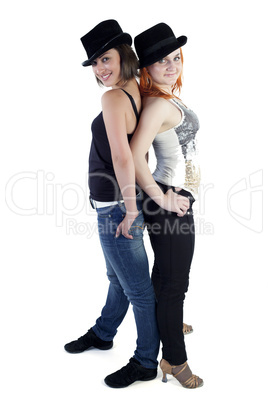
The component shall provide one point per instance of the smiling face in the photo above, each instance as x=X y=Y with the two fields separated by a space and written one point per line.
x=107 y=68
x=166 y=71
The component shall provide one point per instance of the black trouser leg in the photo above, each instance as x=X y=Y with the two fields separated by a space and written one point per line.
x=172 y=240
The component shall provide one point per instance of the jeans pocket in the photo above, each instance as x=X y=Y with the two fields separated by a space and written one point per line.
x=105 y=212
x=137 y=227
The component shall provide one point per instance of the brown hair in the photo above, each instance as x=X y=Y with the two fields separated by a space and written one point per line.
x=128 y=63
x=148 y=88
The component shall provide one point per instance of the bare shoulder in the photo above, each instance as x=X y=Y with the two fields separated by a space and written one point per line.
x=154 y=101
x=157 y=104
x=113 y=98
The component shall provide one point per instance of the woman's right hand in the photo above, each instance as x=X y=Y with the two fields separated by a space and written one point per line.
x=126 y=224
x=175 y=203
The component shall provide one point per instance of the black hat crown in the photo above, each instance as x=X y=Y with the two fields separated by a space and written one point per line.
x=155 y=43
x=103 y=37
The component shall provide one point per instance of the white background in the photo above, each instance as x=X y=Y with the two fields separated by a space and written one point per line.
x=53 y=282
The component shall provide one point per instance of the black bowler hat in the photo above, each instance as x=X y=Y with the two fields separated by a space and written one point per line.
x=103 y=37
x=155 y=43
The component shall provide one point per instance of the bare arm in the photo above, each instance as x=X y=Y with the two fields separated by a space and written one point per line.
x=152 y=118
x=113 y=106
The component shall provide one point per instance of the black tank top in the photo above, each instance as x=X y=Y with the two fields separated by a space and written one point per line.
x=102 y=181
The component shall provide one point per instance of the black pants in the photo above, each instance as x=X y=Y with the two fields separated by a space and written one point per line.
x=172 y=239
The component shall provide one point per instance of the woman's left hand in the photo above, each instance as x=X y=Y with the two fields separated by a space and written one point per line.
x=126 y=224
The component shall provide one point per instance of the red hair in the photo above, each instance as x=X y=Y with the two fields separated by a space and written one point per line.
x=148 y=88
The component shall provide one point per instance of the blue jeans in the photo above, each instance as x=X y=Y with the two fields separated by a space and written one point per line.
x=128 y=273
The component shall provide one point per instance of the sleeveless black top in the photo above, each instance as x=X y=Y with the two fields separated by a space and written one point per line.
x=102 y=181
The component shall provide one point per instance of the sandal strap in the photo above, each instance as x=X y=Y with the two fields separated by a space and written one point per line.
x=192 y=382
x=183 y=368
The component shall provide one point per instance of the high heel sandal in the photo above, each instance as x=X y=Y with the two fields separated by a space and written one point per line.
x=193 y=381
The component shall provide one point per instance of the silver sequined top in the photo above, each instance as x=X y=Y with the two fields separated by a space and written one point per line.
x=176 y=153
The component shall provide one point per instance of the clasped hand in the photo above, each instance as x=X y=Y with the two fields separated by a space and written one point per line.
x=172 y=202
x=176 y=203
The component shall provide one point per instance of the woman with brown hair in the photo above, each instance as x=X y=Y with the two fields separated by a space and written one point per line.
x=113 y=195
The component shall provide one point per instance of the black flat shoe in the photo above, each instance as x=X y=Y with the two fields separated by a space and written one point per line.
x=130 y=373
x=87 y=341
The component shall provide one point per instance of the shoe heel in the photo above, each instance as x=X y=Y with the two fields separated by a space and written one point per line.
x=166 y=369
x=164 y=379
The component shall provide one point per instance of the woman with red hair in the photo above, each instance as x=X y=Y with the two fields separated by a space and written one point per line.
x=171 y=127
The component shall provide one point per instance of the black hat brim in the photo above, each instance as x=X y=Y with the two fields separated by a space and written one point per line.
x=121 y=39
x=162 y=52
